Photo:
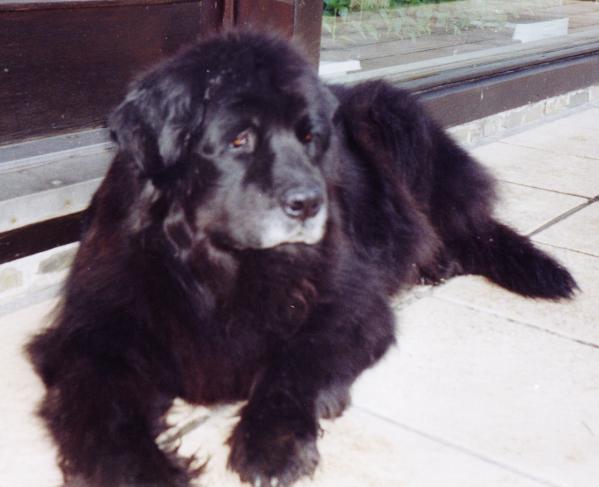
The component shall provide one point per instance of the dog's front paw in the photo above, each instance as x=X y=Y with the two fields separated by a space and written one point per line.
x=273 y=456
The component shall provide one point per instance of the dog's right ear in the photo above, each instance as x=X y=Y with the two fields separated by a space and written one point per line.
x=152 y=125
x=135 y=137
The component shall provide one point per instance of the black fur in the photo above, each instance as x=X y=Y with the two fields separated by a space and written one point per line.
x=243 y=245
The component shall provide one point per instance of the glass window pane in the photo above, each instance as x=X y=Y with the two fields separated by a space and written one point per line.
x=415 y=38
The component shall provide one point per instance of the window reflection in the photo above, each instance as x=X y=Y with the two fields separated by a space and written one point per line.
x=368 y=35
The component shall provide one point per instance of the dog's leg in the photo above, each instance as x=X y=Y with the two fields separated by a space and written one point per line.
x=333 y=401
x=274 y=442
x=104 y=429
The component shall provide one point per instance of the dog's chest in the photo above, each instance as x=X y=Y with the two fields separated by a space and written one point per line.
x=227 y=362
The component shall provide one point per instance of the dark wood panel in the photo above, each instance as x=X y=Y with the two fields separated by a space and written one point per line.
x=211 y=16
x=19 y=5
x=300 y=19
x=266 y=14
x=64 y=69
x=308 y=26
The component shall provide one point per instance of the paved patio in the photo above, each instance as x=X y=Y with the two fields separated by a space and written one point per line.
x=485 y=389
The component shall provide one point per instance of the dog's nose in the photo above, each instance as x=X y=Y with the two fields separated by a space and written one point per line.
x=302 y=203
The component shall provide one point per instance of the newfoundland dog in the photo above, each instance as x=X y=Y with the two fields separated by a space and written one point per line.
x=243 y=245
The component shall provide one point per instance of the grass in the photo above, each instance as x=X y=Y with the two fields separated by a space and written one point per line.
x=355 y=21
x=343 y=7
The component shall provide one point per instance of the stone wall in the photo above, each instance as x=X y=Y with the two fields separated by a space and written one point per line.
x=502 y=124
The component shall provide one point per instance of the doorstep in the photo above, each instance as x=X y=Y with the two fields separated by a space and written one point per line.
x=52 y=177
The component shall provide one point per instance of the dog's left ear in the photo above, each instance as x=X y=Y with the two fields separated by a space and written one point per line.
x=329 y=101
x=150 y=126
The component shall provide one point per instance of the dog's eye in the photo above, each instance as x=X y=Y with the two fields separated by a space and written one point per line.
x=244 y=140
x=304 y=131
x=306 y=136
x=240 y=141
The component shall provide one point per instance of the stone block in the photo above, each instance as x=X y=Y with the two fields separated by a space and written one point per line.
x=492 y=125
x=514 y=118
x=556 y=105
x=578 y=98
x=57 y=262
x=10 y=278
x=534 y=112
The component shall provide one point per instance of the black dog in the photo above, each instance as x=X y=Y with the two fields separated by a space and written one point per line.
x=243 y=246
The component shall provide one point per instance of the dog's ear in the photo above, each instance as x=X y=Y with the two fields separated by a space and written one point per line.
x=134 y=137
x=329 y=101
x=151 y=126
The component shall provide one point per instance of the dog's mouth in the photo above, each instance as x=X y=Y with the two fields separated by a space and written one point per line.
x=271 y=229
x=278 y=229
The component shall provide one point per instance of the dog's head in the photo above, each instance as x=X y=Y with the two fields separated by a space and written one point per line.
x=236 y=135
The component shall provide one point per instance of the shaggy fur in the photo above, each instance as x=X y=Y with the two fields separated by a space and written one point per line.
x=243 y=245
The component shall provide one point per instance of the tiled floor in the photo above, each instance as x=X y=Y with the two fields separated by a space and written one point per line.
x=484 y=389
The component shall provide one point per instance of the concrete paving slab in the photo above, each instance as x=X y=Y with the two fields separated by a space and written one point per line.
x=579 y=231
x=538 y=168
x=586 y=119
x=27 y=456
x=360 y=450
x=401 y=458
x=575 y=135
x=357 y=450
x=527 y=209
x=577 y=319
x=514 y=394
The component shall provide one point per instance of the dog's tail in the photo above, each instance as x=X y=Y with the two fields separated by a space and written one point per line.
x=513 y=262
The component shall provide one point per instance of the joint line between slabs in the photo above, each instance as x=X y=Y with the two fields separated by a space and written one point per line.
x=491 y=312
x=562 y=217
x=457 y=447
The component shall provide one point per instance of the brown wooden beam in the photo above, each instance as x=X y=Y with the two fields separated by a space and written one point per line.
x=301 y=19
x=454 y=102
x=38 y=237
